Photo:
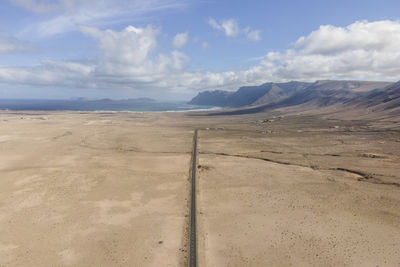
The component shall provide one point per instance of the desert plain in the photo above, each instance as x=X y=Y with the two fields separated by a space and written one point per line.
x=113 y=189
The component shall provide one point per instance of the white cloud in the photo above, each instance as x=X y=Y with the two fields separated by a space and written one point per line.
x=13 y=45
x=130 y=55
x=205 y=45
x=231 y=29
x=214 y=24
x=67 y=15
x=229 y=26
x=180 y=40
x=253 y=35
x=362 y=50
x=131 y=46
x=36 y=6
x=130 y=59
x=328 y=39
x=71 y=74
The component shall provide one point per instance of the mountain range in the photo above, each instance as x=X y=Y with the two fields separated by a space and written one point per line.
x=302 y=96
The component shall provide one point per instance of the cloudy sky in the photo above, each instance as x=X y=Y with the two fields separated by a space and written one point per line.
x=172 y=49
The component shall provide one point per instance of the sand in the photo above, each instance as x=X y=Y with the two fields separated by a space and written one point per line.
x=111 y=189
x=260 y=210
x=87 y=190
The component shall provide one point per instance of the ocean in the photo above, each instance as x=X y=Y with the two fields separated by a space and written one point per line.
x=140 y=105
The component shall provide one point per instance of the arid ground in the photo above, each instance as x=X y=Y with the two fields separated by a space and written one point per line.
x=112 y=189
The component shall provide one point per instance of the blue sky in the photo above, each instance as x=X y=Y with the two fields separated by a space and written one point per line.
x=172 y=49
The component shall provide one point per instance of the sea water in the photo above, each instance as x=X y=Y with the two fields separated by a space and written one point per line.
x=97 y=105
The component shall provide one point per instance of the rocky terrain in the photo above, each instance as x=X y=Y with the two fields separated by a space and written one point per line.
x=354 y=96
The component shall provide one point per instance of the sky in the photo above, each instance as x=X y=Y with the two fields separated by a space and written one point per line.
x=173 y=49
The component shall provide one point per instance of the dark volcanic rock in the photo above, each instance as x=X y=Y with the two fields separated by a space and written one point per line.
x=376 y=96
x=321 y=93
x=217 y=98
x=247 y=95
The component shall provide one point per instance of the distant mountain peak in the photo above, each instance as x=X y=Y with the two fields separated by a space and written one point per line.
x=322 y=93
